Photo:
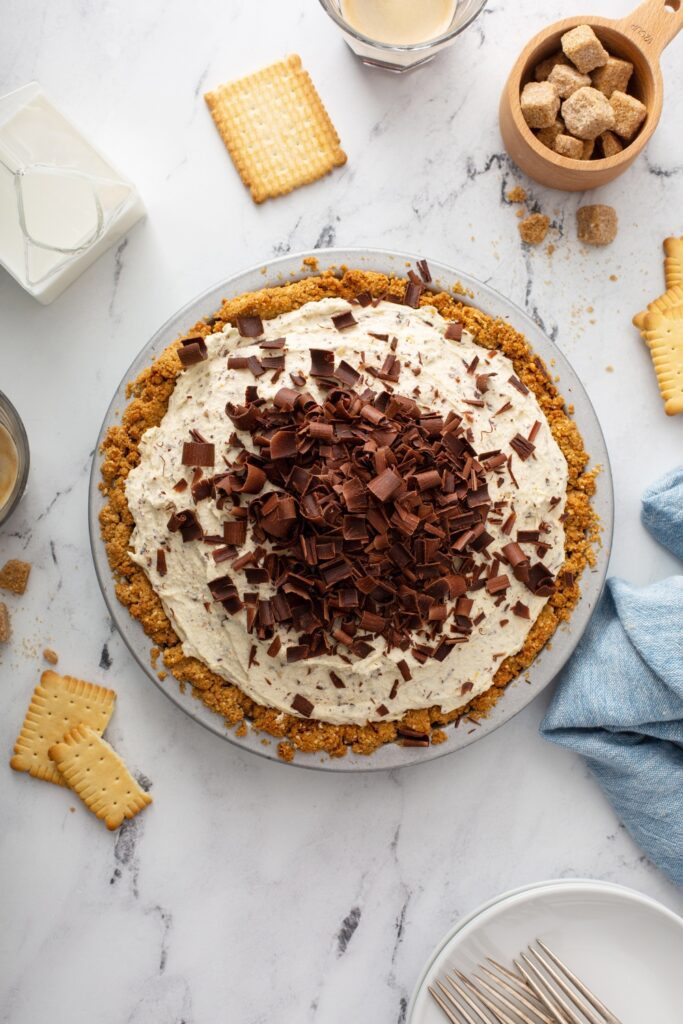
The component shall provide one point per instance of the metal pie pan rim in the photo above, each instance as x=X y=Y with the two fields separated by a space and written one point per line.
x=518 y=694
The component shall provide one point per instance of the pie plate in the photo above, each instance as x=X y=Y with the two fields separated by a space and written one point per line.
x=549 y=662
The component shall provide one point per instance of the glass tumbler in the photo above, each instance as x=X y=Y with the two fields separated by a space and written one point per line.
x=10 y=422
x=399 y=57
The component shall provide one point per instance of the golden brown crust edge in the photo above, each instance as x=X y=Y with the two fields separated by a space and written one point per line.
x=149 y=395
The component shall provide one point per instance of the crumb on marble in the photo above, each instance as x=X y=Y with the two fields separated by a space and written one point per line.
x=534 y=228
x=50 y=656
x=516 y=195
x=14 y=575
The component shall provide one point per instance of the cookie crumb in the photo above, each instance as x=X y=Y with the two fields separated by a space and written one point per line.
x=550 y=248
x=241 y=729
x=516 y=195
x=613 y=277
x=285 y=751
x=5 y=626
x=609 y=369
x=534 y=228
x=438 y=736
x=50 y=656
x=14 y=575
x=596 y=225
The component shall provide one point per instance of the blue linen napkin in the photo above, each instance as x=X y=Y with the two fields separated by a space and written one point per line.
x=619 y=701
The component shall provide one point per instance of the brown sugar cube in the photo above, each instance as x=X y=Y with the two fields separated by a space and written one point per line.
x=540 y=104
x=548 y=135
x=587 y=114
x=629 y=114
x=567 y=80
x=584 y=49
x=567 y=145
x=596 y=225
x=588 y=147
x=534 y=228
x=542 y=70
x=615 y=74
x=5 y=628
x=610 y=144
x=14 y=575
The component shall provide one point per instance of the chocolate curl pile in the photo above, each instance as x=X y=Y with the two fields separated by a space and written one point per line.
x=369 y=516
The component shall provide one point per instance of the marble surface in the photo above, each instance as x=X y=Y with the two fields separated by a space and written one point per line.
x=249 y=891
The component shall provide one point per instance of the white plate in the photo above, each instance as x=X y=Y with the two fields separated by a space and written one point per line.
x=625 y=946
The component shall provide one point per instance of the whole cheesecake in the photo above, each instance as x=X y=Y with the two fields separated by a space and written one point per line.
x=352 y=510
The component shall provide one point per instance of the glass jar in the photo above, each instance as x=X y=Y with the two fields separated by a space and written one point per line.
x=14 y=458
x=400 y=57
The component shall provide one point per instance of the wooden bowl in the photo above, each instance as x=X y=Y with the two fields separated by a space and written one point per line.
x=639 y=38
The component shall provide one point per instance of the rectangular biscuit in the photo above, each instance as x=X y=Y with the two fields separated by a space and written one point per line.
x=57 y=705
x=664 y=335
x=95 y=771
x=276 y=129
x=673 y=262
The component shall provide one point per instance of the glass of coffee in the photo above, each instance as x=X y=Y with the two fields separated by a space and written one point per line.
x=14 y=458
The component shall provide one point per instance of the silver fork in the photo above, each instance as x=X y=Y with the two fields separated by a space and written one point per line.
x=541 y=990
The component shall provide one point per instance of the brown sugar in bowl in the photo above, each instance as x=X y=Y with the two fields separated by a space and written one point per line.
x=639 y=38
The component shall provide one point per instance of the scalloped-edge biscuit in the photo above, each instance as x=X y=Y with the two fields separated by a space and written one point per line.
x=664 y=336
x=57 y=705
x=276 y=129
x=673 y=261
x=99 y=776
x=672 y=298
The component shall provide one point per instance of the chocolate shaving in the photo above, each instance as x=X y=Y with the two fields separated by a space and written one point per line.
x=342 y=321
x=161 y=561
x=522 y=446
x=413 y=291
x=322 y=362
x=237 y=362
x=235 y=533
x=301 y=703
x=187 y=523
x=425 y=274
x=453 y=331
x=517 y=383
x=197 y=453
x=192 y=350
x=249 y=326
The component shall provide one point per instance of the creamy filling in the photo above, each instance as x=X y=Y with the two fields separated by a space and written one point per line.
x=434 y=372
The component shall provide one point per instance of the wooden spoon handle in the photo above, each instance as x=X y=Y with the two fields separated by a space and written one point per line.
x=653 y=25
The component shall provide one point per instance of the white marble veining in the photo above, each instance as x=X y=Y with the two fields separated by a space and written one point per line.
x=250 y=892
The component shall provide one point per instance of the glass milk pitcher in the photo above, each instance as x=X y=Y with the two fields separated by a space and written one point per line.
x=62 y=204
